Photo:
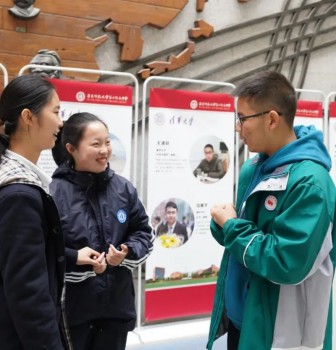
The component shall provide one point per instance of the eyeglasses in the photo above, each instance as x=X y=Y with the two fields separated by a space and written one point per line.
x=240 y=119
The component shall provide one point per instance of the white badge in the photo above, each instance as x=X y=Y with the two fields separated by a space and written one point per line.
x=271 y=202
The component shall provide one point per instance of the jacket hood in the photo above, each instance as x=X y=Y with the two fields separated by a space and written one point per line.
x=83 y=179
x=308 y=146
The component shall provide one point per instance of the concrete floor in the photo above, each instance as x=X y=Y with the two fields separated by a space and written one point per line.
x=182 y=335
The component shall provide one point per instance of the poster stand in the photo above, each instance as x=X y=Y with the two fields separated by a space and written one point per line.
x=144 y=109
x=134 y=80
x=320 y=96
x=5 y=74
x=329 y=97
x=130 y=76
x=145 y=113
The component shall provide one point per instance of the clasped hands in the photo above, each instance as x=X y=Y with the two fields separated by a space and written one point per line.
x=221 y=213
x=99 y=261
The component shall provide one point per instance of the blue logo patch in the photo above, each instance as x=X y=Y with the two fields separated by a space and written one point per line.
x=121 y=215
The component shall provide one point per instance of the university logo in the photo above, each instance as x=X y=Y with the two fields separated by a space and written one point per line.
x=271 y=203
x=121 y=215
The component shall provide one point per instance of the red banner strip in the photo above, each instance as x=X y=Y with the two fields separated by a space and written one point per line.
x=312 y=109
x=182 y=99
x=169 y=303
x=87 y=92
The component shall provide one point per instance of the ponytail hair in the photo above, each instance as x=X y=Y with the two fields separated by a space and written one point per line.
x=59 y=152
x=4 y=144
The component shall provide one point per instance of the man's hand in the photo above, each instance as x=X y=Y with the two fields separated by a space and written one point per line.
x=115 y=256
x=221 y=213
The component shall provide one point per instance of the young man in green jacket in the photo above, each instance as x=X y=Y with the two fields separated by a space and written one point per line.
x=275 y=281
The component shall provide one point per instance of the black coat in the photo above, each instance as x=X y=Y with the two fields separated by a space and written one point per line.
x=32 y=268
x=98 y=210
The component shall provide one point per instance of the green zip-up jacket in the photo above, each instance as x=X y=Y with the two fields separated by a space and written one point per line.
x=286 y=241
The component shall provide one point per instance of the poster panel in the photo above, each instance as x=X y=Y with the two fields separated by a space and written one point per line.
x=190 y=168
x=309 y=113
x=332 y=138
x=111 y=103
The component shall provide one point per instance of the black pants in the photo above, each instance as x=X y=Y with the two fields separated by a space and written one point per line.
x=232 y=337
x=97 y=335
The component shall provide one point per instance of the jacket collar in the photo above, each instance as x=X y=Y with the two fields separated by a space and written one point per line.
x=84 y=179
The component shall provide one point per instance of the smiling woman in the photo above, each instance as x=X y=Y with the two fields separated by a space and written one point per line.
x=107 y=235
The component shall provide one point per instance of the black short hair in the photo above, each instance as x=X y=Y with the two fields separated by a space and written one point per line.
x=268 y=90
x=23 y=92
x=209 y=145
x=171 y=204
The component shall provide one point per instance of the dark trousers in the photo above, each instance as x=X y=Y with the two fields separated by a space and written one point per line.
x=97 y=335
x=232 y=337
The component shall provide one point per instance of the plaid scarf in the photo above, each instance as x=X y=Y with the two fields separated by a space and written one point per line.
x=16 y=169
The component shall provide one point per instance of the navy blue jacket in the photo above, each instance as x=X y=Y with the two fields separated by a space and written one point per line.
x=32 y=269
x=98 y=210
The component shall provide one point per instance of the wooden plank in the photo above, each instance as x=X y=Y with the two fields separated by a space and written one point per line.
x=53 y=25
x=176 y=4
x=131 y=40
x=19 y=60
x=69 y=49
x=13 y=64
x=61 y=26
x=10 y=3
x=13 y=23
x=1 y=14
x=121 y=11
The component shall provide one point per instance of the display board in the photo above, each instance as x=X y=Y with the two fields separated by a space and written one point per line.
x=307 y=113
x=187 y=130
x=111 y=103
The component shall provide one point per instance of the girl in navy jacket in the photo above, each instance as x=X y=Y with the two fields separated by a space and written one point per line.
x=101 y=212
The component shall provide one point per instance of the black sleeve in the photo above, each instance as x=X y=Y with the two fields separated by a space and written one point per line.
x=140 y=234
x=71 y=255
x=24 y=270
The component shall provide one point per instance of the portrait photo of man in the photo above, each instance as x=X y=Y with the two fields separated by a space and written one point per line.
x=171 y=225
x=211 y=165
